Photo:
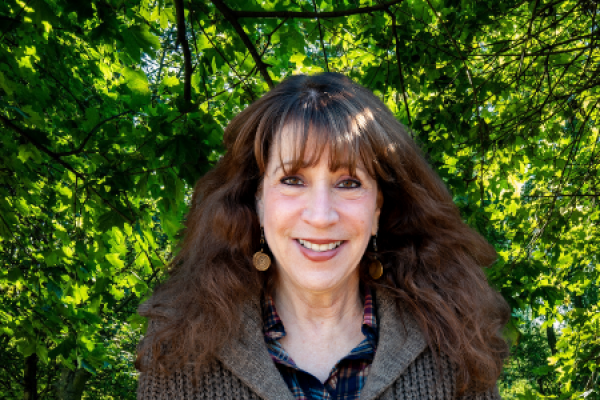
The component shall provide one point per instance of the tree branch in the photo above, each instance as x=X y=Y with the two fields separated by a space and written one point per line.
x=13 y=22
x=535 y=53
x=232 y=17
x=161 y=65
x=310 y=14
x=321 y=36
x=207 y=98
x=39 y=146
x=248 y=88
x=397 y=43
x=79 y=104
x=187 y=55
x=562 y=195
x=31 y=377
x=155 y=272
x=90 y=134
x=270 y=35
x=10 y=230
x=475 y=102
x=56 y=157
x=114 y=208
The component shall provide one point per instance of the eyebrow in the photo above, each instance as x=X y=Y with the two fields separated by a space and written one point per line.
x=306 y=164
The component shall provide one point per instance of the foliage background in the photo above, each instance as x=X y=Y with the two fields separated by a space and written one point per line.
x=111 y=109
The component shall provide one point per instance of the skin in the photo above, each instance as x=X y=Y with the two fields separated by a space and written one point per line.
x=317 y=293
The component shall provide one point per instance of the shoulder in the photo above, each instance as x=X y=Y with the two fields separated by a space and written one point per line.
x=405 y=360
x=211 y=381
x=432 y=376
x=222 y=377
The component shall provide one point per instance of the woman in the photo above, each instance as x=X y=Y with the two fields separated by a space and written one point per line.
x=323 y=259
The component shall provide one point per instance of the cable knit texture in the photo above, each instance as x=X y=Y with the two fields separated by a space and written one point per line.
x=403 y=367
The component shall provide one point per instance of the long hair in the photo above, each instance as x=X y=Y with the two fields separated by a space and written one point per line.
x=432 y=260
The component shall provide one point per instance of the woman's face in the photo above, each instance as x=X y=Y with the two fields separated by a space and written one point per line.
x=317 y=222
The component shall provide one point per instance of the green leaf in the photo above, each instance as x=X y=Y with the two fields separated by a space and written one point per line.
x=110 y=219
x=114 y=259
x=64 y=349
x=138 y=39
x=136 y=81
x=27 y=346
x=14 y=274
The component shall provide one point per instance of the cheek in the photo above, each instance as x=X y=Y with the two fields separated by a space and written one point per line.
x=361 y=217
x=280 y=209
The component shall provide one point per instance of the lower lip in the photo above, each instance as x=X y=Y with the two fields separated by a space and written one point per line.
x=319 y=255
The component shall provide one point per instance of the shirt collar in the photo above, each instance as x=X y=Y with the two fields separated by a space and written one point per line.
x=272 y=324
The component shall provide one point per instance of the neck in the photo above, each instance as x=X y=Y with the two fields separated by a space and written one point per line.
x=320 y=311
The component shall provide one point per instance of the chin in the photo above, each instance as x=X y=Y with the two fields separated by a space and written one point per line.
x=321 y=281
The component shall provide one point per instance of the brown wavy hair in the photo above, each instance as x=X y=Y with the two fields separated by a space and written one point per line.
x=432 y=259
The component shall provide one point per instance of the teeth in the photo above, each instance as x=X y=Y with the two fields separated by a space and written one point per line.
x=319 y=247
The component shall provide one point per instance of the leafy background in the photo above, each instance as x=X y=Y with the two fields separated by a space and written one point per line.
x=110 y=110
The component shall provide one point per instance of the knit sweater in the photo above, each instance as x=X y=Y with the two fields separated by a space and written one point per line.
x=403 y=367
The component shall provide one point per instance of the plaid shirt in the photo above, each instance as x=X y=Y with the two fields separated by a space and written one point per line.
x=347 y=377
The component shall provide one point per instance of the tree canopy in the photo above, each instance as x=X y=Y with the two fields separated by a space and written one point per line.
x=110 y=110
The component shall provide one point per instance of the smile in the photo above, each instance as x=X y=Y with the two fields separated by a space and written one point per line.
x=319 y=247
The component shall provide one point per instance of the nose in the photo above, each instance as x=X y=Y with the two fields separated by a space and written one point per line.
x=320 y=209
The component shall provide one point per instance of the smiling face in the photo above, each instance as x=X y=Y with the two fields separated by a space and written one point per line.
x=317 y=222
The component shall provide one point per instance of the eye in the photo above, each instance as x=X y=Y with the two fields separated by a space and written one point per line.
x=292 y=181
x=349 y=184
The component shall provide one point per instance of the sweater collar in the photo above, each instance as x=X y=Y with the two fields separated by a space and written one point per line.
x=400 y=342
x=247 y=357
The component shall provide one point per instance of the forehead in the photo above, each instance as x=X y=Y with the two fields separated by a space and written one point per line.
x=297 y=148
x=288 y=143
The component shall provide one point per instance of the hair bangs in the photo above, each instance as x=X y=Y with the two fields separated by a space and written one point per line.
x=316 y=123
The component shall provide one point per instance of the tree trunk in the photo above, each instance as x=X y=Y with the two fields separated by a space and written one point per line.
x=30 y=378
x=551 y=339
x=540 y=382
x=72 y=383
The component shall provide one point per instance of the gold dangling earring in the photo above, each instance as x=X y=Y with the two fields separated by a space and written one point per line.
x=375 y=268
x=261 y=261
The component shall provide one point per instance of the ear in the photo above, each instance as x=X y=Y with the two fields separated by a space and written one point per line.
x=260 y=208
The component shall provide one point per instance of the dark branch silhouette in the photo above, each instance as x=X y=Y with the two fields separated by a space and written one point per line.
x=187 y=55
x=321 y=37
x=231 y=16
x=23 y=132
x=311 y=14
x=404 y=95
x=95 y=129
